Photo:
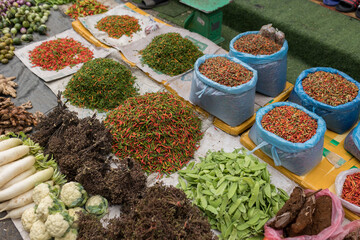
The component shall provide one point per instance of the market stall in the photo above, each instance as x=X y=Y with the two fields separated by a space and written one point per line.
x=123 y=130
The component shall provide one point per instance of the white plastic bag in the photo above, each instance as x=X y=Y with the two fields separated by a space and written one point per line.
x=339 y=182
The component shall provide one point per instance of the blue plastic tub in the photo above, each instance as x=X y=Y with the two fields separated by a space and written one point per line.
x=232 y=105
x=299 y=158
x=271 y=68
x=338 y=119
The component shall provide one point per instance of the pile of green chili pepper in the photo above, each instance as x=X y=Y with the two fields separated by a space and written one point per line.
x=157 y=129
x=170 y=54
x=101 y=84
x=234 y=191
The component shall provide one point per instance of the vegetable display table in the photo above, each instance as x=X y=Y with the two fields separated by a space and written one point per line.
x=335 y=160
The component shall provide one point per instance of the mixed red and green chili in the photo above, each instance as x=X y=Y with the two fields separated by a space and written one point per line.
x=329 y=88
x=225 y=71
x=290 y=123
x=256 y=44
x=157 y=129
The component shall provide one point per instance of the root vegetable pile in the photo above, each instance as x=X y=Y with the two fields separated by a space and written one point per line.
x=225 y=71
x=256 y=44
x=16 y=119
x=303 y=214
x=171 y=54
x=329 y=88
x=54 y=55
x=290 y=123
x=117 y=26
x=83 y=8
x=156 y=129
x=101 y=84
x=163 y=213
x=7 y=85
x=81 y=147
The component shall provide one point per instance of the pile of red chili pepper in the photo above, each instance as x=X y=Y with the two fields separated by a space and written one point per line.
x=225 y=71
x=256 y=44
x=156 y=129
x=83 y=8
x=290 y=123
x=57 y=54
x=117 y=26
x=170 y=54
x=329 y=88
x=350 y=191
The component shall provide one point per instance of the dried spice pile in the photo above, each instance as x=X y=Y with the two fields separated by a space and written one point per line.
x=16 y=119
x=170 y=54
x=256 y=44
x=116 y=26
x=157 y=129
x=100 y=84
x=351 y=189
x=81 y=147
x=225 y=71
x=7 y=86
x=163 y=213
x=83 y=8
x=290 y=123
x=329 y=88
x=57 y=54
x=303 y=214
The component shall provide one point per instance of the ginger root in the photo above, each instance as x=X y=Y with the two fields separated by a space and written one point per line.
x=7 y=86
x=16 y=119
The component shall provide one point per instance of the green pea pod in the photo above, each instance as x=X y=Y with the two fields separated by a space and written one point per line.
x=212 y=209
x=234 y=206
x=221 y=189
x=254 y=194
x=232 y=190
x=252 y=221
x=223 y=205
x=182 y=183
x=236 y=215
x=234 y=234
x=261 y=224
x=267 y=190
x=228 y=231
x=221 y=181
x=242 y=226
x=203 y=202
x=249 y=181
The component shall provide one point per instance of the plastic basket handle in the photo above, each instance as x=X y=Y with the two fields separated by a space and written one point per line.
x=200 y=93
x=274 y=153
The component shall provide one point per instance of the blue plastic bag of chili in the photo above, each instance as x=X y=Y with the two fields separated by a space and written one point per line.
x=352 y=142
x=291 y=135
x=225 y=87
x=331 y=94
x=271 y=68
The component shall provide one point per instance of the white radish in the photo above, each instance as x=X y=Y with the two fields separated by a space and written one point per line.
x=19 y=177
x=11 y=170
x=3 y=204
x=17 y=212
x=26 y=184
x=13 y=154
x=19 y=201
x=10 y=143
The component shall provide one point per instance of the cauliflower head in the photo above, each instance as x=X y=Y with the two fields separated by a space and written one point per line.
x=38 y=231
x=97 y=205
x=57 y=224
x=70 y=235
x=28 y=218
x=73 y=194
x=48 y=205
x=41 y=191
x=74 y=213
